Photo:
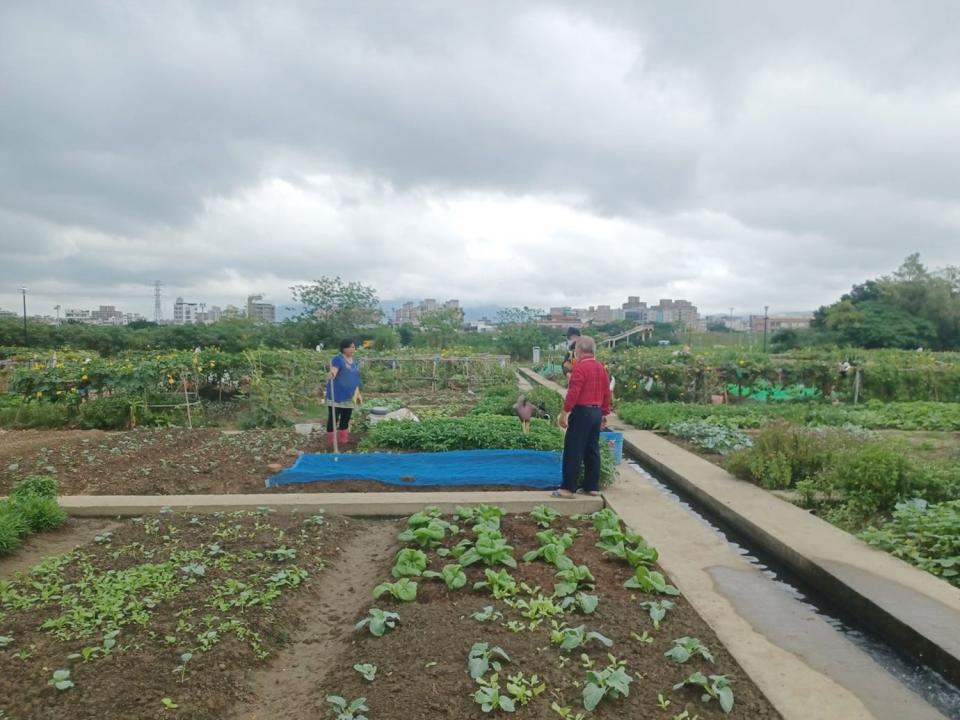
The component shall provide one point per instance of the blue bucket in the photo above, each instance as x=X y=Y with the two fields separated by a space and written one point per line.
x=614 y=441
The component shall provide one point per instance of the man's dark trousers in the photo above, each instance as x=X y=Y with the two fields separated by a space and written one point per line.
x=581 y=445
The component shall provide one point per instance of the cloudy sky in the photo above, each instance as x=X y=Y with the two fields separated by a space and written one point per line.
x=542 y=153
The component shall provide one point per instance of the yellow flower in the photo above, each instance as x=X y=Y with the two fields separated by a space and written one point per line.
x=212 y=364
x=169 y=381
x=84 y=377
x=39 y=393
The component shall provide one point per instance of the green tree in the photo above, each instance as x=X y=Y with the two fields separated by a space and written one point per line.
x=441 y=327
x=339 y=309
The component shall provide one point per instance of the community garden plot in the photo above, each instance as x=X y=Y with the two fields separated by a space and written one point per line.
x=535 y=616
x=161 y=616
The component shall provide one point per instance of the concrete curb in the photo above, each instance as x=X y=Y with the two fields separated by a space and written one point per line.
x=379 y=504
x=792 y=653
x=914 y=611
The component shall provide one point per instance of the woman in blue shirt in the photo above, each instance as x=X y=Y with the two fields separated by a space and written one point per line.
x=343 y=381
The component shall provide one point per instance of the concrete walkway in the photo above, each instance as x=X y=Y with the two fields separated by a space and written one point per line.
x=805 y=666
x=380 y=504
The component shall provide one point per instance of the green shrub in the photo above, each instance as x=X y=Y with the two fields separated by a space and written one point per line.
x=36 y=486
x=12 y=527
x=106 y=413
x=871 y=477
x=783 y=455
x=35 y=414
x=39 y=513
x=926 y=535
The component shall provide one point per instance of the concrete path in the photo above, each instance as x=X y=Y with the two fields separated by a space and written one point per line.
x=805 y=667
x=380 y=504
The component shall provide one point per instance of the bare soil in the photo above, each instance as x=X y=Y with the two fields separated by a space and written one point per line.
x=288 y=686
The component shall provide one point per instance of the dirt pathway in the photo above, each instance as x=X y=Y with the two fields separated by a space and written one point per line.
x=289 y=687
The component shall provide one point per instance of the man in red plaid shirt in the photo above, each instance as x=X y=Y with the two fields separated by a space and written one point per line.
x=585 y=411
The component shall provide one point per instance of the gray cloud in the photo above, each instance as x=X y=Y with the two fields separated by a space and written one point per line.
x=542 y=153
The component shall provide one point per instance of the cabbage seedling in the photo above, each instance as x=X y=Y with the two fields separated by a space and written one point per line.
x=658 y=610
x=379 y=622
x=61 y=680
x=451 y=574
x=715 y=687
x=685 y=648
x=613 y=682
x=404 y=590
x=482 y=657
x=368 y=671
x=487 y=614
x=409 y=563
x=650 y=581
x=348 y=711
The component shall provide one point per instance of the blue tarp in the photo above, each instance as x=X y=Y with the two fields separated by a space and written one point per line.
x=524 y=468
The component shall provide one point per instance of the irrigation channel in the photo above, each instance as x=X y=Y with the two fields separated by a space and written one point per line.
x=925 y=682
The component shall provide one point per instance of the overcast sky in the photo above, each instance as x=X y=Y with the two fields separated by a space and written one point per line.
x=735 y=154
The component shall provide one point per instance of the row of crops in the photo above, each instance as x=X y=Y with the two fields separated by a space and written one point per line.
x=665 y=375
x=56 y=388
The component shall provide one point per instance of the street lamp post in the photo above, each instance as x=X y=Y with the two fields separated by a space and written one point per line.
x=57 y=308
x=765 y=308
x=23 y=290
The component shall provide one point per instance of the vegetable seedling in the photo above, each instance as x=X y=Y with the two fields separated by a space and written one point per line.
x=685 y=648
x=571 y=638
x=650 y=581
x=482 y=657
x=612 y=682
x=487 y=614
x=404 y=590
x=489 y=697
x=713 y=687
x=452 y=574
x=658 y=610
x=61 y=680
x=379 y=622
x=409 y=563
x=168 y=704
x=348 y=711
x=366 y=670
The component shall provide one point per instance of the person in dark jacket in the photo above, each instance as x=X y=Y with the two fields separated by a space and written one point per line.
x=569 y=360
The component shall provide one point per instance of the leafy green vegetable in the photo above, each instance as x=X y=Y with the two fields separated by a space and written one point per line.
x=571 y=638
x=487 y=614
x=366 y=670
x=348 y=711
x=379 y=621
x=612 y=682
x=685 y=648
x=482 y=657
x=404 y=590
x=409 y=563
x=451 y=574
x=650 y=581
x=658 y=610
x=715 y=687
x=500 y=583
